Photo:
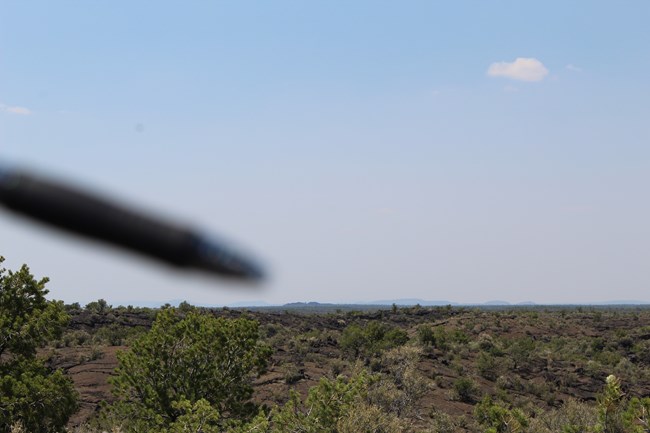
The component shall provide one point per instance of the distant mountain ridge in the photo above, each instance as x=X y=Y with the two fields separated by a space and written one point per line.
x=402 y=302
x=409 y=302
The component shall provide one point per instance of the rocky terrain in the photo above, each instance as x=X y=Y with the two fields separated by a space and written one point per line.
x=531 y=357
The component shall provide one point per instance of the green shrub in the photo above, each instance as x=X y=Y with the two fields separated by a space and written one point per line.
x=326 y=404
x=572 y=417
x=465 y=390
x=521 y=350
x=487 y=366
x=371 y=340
x=183 y=360
x=98 y=307
x=425 y=334
x=497 y=418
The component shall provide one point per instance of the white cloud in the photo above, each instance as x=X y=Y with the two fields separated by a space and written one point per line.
x=23 y=111
x=573 y=68
x=522 y=69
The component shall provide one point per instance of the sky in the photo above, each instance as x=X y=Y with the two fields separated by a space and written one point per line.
x=464 y=151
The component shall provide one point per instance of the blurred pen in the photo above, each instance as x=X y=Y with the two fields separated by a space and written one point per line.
x=84 y=213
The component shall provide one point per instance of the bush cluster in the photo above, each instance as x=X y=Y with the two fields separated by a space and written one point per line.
x=371 y=340
x=193 y=371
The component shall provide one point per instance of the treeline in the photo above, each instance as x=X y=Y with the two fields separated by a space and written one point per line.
x=188 y=370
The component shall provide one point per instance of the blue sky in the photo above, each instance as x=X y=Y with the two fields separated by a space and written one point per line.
x=464 y=151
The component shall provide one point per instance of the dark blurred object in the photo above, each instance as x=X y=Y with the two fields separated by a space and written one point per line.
x=84 y=213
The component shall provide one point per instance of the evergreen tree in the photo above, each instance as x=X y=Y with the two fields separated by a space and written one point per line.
x=31 y=394
x=186 y=363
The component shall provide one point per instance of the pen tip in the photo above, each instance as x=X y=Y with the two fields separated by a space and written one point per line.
x=216 y=257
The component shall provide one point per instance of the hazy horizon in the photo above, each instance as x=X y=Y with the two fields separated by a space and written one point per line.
x=401 y=302
x=468 y=151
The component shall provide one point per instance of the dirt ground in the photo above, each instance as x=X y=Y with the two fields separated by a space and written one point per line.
x=306 y=348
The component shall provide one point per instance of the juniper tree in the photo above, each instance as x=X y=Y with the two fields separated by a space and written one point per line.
x=31 y=394
x=183 y=360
